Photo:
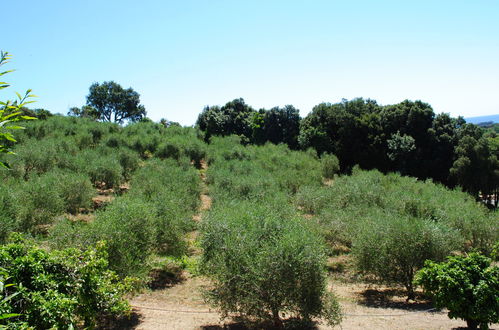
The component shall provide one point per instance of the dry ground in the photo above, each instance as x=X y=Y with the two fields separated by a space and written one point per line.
x=182 y=307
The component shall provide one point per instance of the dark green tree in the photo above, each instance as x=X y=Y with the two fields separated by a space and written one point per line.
x=349 y=130
x=476 y=168
x=115 y=104
x=85 y=112
x=277 y=125
x=232 y=118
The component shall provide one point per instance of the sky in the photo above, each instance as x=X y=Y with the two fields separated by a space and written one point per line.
x=183 y=55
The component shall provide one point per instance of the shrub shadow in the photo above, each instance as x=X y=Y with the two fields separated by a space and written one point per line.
x=384 y=298
x=244 y=324
x=163 y=279
x=116 y=323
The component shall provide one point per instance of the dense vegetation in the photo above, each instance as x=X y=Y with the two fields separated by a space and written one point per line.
x=75 y=183
x=407 y=138
x=264 y=259
x=88 y=210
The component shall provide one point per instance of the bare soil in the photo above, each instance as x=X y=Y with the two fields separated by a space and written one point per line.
x=182 y=307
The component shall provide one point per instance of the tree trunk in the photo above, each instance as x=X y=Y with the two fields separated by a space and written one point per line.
x=472 y=324
x=277 y=319
x=408 y=285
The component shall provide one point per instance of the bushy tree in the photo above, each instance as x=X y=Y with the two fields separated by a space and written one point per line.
x=378 y=250
x=232 y=118
x=467 y=286
x=476 y=168
x=277 y=125
x=263 y=266
x=84 y=112
x=114 y=103
x=330 y=165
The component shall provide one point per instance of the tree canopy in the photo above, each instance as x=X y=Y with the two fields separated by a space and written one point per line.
x=113 y=103
x=407 y=137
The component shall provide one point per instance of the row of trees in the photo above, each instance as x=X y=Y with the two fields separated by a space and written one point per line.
x=407 y=137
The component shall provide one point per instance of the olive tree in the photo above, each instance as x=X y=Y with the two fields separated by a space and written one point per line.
x=263 y=265
x=394 y=248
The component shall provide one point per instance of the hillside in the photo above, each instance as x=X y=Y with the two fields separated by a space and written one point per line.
x=274 y=235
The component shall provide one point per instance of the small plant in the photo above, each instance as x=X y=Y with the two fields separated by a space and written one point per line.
x=330 y=165
x=466 y=285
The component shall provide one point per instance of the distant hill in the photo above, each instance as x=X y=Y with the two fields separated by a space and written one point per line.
x=483 y=119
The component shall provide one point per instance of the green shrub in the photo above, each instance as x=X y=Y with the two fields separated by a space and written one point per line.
x=69 y=233
x=7 y=211
x=59 y=289
x=263 y=265
x=105 y=170
x=406 y=197
x=37 y=203
x=128 y=227
x=129 y=161
x=74 y=189
x=168 y=150
x=330 y=165
x=173 y=191
x=394 y=248
x=467 y=286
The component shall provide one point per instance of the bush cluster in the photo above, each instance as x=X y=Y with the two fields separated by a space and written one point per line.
x=151 y=218
x=373 y=213
x=58 y=289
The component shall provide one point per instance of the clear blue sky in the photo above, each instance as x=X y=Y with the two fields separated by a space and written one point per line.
x=183 y=55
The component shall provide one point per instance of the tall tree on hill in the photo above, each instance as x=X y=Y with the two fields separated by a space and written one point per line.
x=115 y=104
x=232 y=118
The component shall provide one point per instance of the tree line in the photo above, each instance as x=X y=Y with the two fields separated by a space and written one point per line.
x=407 y=137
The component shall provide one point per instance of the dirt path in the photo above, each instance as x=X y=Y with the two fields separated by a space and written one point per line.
x=182 y=305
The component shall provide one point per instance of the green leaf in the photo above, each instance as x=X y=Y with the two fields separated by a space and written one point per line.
x=6 y=316
x=14 y=127
x=12 y=115
x=10 y=137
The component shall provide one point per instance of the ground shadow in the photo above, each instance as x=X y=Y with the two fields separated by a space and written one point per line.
x=393 y=298
x=115 y=323
x=243 y=324
x=163 y=279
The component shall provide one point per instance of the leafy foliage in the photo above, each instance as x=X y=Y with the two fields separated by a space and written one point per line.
x=10 y=112
x=110 y=102
x=378 y=250
x=60 y=288
x=330 y=165
x=264 y=260
x=264 y=263
x=466 y=285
